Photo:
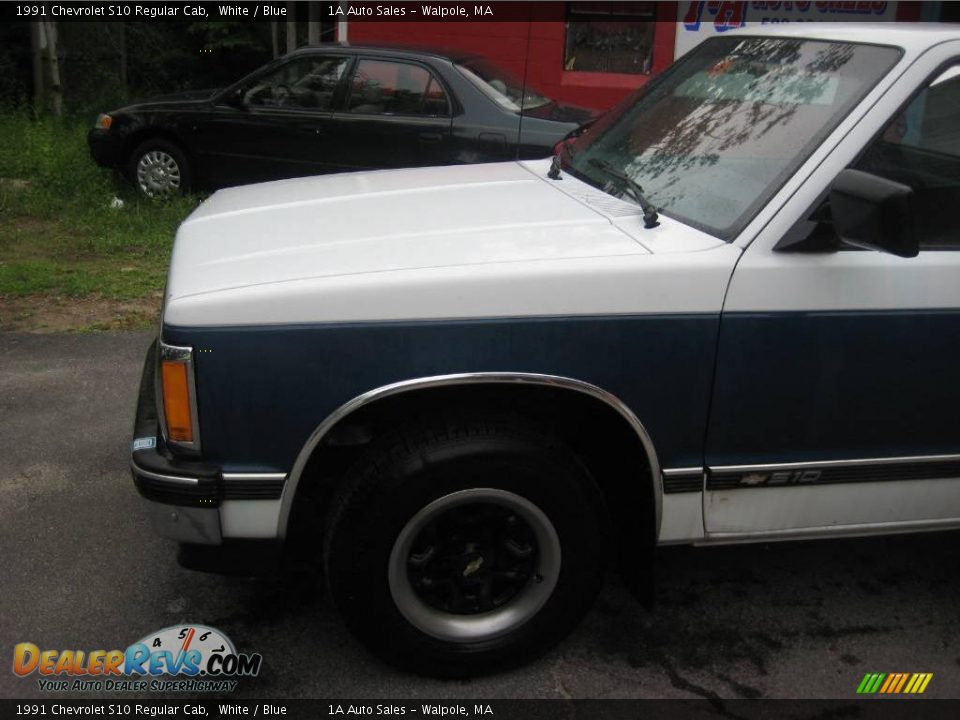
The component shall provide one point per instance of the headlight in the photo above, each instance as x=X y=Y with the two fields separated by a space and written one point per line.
x=103 y=122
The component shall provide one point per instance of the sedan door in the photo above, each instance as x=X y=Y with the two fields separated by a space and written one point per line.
x=276 y=125
x=396 y=114
x=837 y=396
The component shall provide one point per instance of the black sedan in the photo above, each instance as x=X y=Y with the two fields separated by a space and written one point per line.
x=332 y=108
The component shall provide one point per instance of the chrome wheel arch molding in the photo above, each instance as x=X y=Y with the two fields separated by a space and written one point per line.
x=460 y=379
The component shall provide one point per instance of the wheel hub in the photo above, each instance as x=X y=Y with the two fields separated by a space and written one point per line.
x=474 y=564
x=472 y=558
x=158 y=173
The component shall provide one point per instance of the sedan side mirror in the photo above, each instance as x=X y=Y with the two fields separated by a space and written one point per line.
x=234 y=99
x=872 y=212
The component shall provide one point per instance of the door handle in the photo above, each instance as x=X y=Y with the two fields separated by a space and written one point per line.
x=430 y=137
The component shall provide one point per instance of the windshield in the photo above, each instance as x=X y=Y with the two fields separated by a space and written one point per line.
x=500 y=86
x=718 y=134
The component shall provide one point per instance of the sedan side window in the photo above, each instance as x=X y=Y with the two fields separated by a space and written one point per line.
x=921 y=148
x=307 y=83
x=392 y=88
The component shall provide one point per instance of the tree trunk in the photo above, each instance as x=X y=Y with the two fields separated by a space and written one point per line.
x=275 y=38
x=291 y=26
x=122 y=51
x=56 y=93
x=37 y=41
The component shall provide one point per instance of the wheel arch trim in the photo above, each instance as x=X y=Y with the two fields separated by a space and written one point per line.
x=461 y=379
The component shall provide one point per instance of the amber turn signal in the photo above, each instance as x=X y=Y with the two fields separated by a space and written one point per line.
x=176 y=401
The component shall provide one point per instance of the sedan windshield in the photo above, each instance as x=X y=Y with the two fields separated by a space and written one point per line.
x=719 y=133
x=500 y=86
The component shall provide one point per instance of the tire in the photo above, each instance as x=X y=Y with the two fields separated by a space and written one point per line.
x=465 y=547
x=159 y=168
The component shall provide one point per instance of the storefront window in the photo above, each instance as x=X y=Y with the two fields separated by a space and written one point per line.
x=611 y=37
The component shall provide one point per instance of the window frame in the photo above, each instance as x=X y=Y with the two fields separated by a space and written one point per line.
x=571 y=16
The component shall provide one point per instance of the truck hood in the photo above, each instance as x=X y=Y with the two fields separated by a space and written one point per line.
x=372 y=225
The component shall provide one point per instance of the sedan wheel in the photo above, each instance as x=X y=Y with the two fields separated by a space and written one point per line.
x=159 y=169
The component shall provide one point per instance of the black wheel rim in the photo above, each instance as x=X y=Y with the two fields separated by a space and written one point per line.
x=474 y=565
x=472 y=558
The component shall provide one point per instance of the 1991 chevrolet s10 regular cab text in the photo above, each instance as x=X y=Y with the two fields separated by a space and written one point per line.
x=727 y=313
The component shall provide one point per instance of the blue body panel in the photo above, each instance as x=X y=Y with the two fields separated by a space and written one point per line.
x=263 y=390
x=801 y=386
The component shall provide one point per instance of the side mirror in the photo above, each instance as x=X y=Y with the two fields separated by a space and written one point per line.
x=234 y=99
x=874 y=213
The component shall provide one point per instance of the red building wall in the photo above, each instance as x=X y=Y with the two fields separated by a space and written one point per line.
x=506 y=43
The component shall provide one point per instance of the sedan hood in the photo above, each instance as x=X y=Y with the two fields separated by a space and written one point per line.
x=188 y=97
x=260 y=243
x=560 y=112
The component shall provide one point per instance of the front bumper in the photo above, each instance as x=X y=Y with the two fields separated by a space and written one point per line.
x=184 y=495
x=106 y=147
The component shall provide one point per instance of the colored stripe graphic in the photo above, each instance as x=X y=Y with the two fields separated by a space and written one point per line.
x=894 y=683
x=891 y=680
x=903 y=680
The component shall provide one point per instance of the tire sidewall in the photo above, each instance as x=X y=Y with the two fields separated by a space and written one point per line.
x=360 y=541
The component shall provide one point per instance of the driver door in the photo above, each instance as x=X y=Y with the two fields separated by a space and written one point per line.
x=836 y=406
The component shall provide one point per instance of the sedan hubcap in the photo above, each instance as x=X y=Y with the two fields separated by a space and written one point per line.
x=158 y=173
x=474 y=565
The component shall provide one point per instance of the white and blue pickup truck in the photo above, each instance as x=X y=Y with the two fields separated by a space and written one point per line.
x=730 y=312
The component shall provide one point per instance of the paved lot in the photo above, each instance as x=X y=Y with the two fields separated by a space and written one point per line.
x=79 y=568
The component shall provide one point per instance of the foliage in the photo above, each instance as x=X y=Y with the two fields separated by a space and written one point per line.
x=60 y=233
x=70 y=232
x=105 y=64
x=15 y=78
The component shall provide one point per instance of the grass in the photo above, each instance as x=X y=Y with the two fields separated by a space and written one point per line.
x=62 y=241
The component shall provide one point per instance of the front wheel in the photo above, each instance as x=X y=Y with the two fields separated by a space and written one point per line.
x=159 y=168
x=465 y=548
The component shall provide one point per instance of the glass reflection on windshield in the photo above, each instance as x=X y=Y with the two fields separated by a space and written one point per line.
x=714 y=137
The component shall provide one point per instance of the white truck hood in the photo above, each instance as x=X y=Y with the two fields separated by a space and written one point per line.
x=303 y=239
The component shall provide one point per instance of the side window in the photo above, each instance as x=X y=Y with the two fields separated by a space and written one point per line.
x=392 y=88
x=307 y=83
x=921 y=148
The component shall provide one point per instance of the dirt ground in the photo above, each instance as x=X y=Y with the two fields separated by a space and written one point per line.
x=44 y=314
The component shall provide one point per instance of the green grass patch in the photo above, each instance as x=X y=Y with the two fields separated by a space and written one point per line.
x=61 y=232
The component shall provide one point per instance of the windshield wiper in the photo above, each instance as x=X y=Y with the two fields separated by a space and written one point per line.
x=650 y=217
x=556 y=165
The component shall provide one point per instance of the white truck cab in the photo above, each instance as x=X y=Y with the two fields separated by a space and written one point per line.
x=728 y=312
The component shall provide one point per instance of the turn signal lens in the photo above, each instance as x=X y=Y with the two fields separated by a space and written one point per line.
x=176 y=401
x=104 y=121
